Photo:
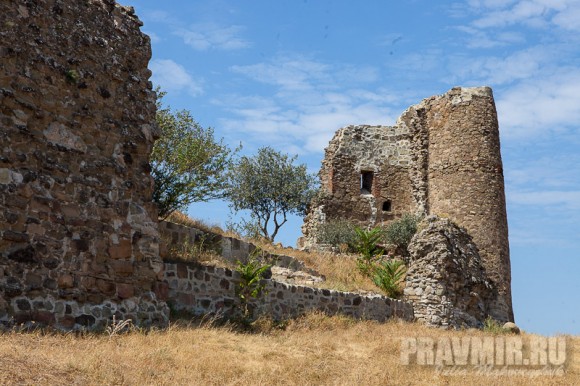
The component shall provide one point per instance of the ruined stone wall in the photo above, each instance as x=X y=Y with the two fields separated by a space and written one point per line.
x=442 y=157
x=209 y=290
x=78 y=230
x=383 y=151
x=446 y=281
x=175 y=237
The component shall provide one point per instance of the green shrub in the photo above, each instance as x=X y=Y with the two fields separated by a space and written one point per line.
x=337 y=233
x=366 y=242
x=399 y=233
x=72 y=76
x=388 y=275
x=250 y=286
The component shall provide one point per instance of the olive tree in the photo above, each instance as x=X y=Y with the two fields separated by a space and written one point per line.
x=187 y=163
x=270 y=186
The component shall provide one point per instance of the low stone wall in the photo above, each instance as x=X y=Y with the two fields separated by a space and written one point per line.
x=230 y=248
x=210 y=290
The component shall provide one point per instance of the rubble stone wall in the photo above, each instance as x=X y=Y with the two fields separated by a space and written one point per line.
x=208 y=290
x=446 y=281
x=78 y=232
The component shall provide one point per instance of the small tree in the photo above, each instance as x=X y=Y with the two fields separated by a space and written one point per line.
x=366 y=246
x=188 y=164
x=271 y=187
x=250 y=285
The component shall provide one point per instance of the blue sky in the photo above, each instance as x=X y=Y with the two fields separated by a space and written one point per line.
x=290 y=73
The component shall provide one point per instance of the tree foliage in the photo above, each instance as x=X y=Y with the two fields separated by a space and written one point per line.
x=400 y=232
x=188 y=163
x=270 y=187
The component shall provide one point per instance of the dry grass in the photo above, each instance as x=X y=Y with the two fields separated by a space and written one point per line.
x=178 y=217
x=311 y=350
x=340 y=270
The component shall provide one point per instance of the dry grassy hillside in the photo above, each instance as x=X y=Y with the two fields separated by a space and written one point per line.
x=312 y=350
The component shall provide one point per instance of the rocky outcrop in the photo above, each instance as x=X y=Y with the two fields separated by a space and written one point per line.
x=79 y=241
x=446 y=281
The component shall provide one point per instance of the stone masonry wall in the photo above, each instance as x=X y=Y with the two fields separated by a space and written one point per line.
x=382 y=150
x=78 y=232
x=209 y=290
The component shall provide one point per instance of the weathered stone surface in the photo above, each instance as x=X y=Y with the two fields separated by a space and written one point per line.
x=75 y=106
x=446 y=282
x=442 y=158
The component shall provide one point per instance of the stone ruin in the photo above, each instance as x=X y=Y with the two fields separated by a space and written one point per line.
x=79 y=240
x=79 y=236
x=442 y=157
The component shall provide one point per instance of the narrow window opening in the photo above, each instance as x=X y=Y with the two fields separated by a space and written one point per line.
x=366 y=182
x=387 y=206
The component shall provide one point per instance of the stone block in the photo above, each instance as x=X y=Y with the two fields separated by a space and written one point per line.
x=65 y=281
x=107 y=287
x=122 y=267
x=161 y=290
x=125 y=291
x=122 y=250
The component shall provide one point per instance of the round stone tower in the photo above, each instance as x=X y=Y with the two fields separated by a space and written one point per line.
x=461 y=164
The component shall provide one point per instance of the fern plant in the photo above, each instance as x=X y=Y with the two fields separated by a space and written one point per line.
x=388 y=275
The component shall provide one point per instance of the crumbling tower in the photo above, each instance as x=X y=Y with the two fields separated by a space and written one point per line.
x=457 y=146
x=443 y=158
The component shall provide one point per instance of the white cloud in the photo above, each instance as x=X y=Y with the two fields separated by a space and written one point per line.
x=482 y=39
x=542 y=105
x=549 y=172
x=305 y=108
x=203 y=37
x=569 y=19
x=171 y=76
x=301 y=73
x=288 y=74
x=526 y=64
x=533 y=13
